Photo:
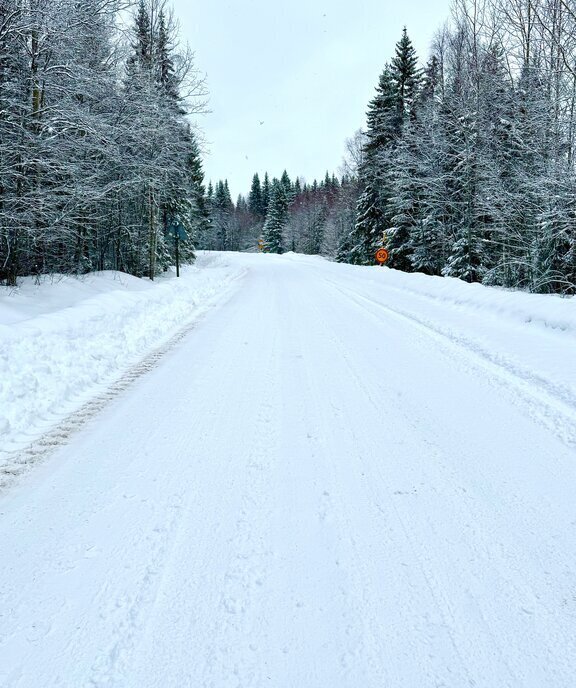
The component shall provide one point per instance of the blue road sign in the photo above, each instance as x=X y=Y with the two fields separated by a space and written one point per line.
x=177 y=231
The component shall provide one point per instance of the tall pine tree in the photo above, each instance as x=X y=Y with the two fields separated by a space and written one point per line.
x=276 y=219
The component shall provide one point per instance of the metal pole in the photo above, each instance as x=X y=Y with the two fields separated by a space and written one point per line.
x=176 y=239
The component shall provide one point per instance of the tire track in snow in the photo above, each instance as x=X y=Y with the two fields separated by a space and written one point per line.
x=15 y=464
x=130 y=611
x=551 y=406
x=491 y=559
x=337 y=550
x=370 y=652
x=235 y=658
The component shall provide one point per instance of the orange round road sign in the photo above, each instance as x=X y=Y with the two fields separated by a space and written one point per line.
x=382 y=255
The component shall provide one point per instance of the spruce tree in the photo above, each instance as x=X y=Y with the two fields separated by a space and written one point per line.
x=165 y=72
x=388 y=113
x=222 y=212
x=286 y=183
x=255 y=202
x=407 y=76
x=425 y=142
x=402 y=206
x=276 y=220
x=384 y=120
x=373 y=218
x=140 y=63
x=414 y=238
x=468 y=259
x=431 y=80
x=199 y=217
x=364 y=239
x=265 y=193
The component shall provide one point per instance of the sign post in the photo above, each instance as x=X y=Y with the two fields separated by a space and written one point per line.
x=176 y=230
x=176 y=247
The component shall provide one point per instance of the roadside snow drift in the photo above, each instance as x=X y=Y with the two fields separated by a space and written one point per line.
x=62 y=340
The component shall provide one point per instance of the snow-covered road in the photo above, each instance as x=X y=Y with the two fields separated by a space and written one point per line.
x=327 y=483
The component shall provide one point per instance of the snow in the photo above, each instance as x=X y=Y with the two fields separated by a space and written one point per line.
x=339 y=476
x=522 y=339
x=64 y=340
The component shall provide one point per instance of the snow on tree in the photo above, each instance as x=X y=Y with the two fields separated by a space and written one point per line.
x=372 y=218
x=407 y=77
x=265 y=193
x=255 y=200
x=276 y=219
x=93 y=149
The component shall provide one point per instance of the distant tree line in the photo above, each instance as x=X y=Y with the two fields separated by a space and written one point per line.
x=98 y=159
x=283 y=215
x=469 y=163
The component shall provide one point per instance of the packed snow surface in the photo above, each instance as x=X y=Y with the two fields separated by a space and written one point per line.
x=335 y=477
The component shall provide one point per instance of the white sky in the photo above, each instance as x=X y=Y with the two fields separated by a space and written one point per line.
x=305 y=69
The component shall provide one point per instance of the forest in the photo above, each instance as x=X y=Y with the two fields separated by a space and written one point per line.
x=99 y=156
x=464 y=168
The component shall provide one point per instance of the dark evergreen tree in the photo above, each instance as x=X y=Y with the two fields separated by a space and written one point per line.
x=468 y=259
x=431 y=81
x=199 y=216
x=165 y=72
x=276 y=219
x=140 y=61
x=265 y=193
x=407 y=77
x=286 y=183
x=427 y=151
x=255 y=201
x=373 y=217
x=364 y=239
x=384 y=119
x=222 y=217
x=402 y=201
x=404 y=204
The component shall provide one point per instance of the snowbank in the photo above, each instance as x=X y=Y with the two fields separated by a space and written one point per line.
x=60 y=341
x=519 y=340
x=547 y=310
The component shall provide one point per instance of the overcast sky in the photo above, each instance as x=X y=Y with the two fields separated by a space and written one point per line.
x=289 y=82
